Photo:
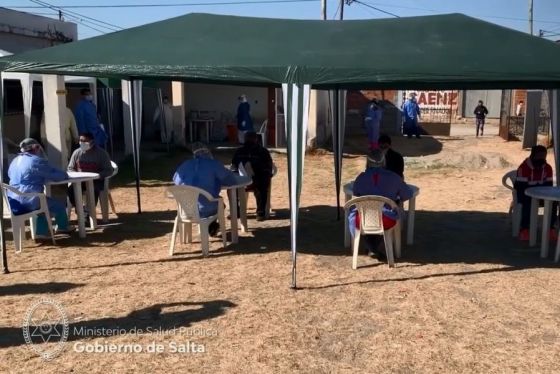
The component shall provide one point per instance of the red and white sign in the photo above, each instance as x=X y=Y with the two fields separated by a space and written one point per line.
x=435 y=99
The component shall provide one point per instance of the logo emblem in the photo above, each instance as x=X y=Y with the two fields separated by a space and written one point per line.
x=45 y=328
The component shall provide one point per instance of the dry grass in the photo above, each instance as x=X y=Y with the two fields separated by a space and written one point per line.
x=466 y=297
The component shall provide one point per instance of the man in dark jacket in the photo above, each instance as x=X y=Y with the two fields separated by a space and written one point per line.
x=259 y=159
x=480 y=112
x=394 y=161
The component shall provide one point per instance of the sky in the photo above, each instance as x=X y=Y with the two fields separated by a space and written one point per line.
x=97 y=21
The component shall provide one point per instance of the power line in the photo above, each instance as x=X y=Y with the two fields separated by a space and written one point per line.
x=375 y=8
x=82 y=17
x=173 y=5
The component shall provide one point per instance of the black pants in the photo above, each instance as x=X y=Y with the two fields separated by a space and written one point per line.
x=98 y=186
x=260 y=187
x=525 y=202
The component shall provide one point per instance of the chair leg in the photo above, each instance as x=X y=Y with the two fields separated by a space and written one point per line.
x=182 y=233
x=104 y=205
x=188 y=232
x=243 y=196
x=267 y=209
x=17 y=234
x=204 y=239
x=387 y=237
x=173 y=236
x=222 y=222
x=111 y=203
x=356 y=246
x=32 y=226
x=49 y=223
x=515 y=221
x=398 y=241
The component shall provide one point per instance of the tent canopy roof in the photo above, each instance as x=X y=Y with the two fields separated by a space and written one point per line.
x=441 y=51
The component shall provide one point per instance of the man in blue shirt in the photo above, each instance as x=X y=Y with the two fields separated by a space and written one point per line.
x=207 y=174
x=382 y=182
x=29 y=172
x=86 y=118
x=372 y=120
x=411 y=112
x=244 y=121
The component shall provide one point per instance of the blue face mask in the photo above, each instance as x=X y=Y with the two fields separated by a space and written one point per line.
x=85 y=146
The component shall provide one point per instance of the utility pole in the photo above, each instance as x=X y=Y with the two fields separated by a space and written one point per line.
x=324 y=10
x=341 y=10
x=531 y=17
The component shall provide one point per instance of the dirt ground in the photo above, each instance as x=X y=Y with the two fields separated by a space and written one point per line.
x=466 y=297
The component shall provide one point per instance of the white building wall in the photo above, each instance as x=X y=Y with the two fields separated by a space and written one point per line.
x=20 y=32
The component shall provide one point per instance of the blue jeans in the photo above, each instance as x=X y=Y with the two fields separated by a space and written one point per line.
x=58 y=211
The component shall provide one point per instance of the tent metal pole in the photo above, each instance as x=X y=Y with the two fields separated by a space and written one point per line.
x=135 y=145
x=2 y=150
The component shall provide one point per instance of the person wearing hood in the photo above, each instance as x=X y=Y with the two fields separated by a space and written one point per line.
x=86 y=118
x=533 y=172
x=207 y=174
x=29 y=172
x=244 y=121
x=92 y=159
x=253 y=153
x=411 y=112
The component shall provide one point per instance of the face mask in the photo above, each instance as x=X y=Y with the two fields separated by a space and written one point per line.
x=89 y=98
x=85 y=146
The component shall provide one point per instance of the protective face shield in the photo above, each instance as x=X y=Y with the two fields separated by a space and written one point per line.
x=31 y=145
x=201 y=150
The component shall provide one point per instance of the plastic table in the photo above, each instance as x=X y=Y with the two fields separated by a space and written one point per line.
x=234 y=192
x=548 y=194
x=76 y=179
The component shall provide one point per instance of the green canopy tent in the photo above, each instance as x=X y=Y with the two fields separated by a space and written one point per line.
x=435 y=52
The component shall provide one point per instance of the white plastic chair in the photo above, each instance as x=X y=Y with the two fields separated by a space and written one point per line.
x=105 y=198
x=187 y=214
x=18 y=221
x=247 y=170
x=370 y=209
x=508 y=181
x=262 y=132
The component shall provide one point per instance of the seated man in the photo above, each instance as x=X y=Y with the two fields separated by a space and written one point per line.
x=207 y=174
x=261 y=165
x=534 y=171
x=378 y=181
x=90 y=158
x=393 y=160
x=28 y=172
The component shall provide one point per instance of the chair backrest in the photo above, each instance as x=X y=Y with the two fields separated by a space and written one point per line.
x=7 y=209
x=246 y=170
x=187 y=200
x=115 y=169
x=370 y=209
x=508 y=179
x=262 y=129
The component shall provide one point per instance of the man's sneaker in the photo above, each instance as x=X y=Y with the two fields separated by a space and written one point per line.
x=213 y=228
x=261 y=217
x=524 y=235
x=552 y=235
x=42 y=237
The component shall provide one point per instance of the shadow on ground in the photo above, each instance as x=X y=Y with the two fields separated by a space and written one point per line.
x=153 y=318
x=37 y=288
x=441 y=237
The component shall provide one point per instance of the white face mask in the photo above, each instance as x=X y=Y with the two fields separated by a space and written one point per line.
x=89 y=98
x=85 y=146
